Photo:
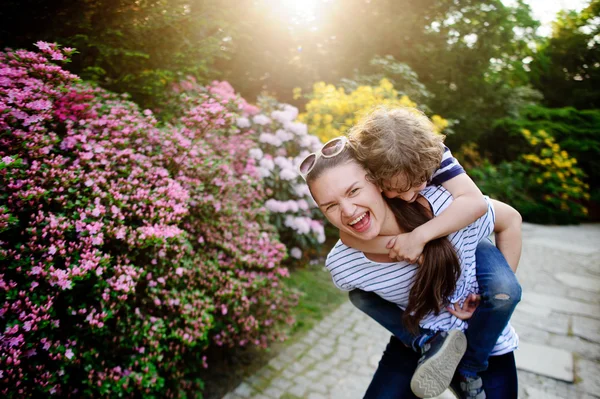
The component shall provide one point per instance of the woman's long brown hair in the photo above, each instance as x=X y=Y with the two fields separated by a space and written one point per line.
x=436 y=277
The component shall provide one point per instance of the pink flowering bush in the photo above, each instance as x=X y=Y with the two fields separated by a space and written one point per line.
x=126 y=247
x=280 y=144
x=283 y=143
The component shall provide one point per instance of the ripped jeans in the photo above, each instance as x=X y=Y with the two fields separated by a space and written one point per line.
x=500 y=293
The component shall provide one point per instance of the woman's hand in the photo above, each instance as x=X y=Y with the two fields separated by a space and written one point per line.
x=406 y=247
x=465 y=312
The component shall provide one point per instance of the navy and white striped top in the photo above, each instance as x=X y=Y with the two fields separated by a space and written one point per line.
x=449 y=168
x=350 y=269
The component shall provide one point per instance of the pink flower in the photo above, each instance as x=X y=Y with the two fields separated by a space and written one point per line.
x=43 y=45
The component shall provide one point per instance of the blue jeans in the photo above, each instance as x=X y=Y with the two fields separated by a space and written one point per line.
x=398 y=364
x=500 y=293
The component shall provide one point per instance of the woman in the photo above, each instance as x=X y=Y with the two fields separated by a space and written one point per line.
x=356 y=207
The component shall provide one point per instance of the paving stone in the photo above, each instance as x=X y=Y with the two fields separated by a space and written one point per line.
x=318 y=388
x=541 y=311
x=323 y=350
x=374 y=360
x=584 y=296
x=313 y=375
x=562 y=304
x=545 y=360
x=581 y=347
x=555 y=323
x=287 y=374
x=296 y=349
x=244 y=390
x=563 y=246
x=298 y=390
x=587 y=328
x=277 y=363
x=296 y=367
x=530 y=334
x=535 y=393
x=281 y=383
x=589 y=373
x=328 y=380
x=273 y=392
x=583 y=282
x=315 y=395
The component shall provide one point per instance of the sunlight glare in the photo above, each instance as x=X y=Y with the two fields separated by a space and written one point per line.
x=299 y=11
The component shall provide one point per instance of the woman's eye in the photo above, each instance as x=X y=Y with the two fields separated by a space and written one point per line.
x=354 y=191
x=330 y=207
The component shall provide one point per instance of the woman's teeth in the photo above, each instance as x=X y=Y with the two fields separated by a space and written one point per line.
x=358 y=219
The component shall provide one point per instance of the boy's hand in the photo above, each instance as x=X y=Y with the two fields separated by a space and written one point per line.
x=407 y=247
x=465 y=312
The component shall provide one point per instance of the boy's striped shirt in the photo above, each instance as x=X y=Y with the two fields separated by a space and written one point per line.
x=449 y=168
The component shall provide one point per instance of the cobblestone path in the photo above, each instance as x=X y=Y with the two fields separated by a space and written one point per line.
x=558 y=321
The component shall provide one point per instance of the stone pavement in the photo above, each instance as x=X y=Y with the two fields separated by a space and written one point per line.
x=558 y=321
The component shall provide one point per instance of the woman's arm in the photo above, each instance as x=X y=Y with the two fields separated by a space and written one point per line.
x=377 y=245
x=508 y=233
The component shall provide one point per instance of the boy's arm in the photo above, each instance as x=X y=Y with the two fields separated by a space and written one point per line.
x=377 y=245
x=508 y=233
x=468 y=206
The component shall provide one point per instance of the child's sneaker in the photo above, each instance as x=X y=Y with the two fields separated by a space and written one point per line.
x=441 y=355
x=465 y=387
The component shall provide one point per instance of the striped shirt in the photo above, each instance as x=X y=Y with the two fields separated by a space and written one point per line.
x=449 y=168
x=350 y=269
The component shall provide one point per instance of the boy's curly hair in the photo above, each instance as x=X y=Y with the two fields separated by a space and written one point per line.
x=388 y=141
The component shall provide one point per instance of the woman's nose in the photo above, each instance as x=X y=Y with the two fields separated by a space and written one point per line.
x=348 y=208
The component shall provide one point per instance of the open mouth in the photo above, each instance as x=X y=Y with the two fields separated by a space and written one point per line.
x=361 y=223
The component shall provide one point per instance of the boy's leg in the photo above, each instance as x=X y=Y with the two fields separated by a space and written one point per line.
x=386 y=313
x=499 y=380
x=500 y=293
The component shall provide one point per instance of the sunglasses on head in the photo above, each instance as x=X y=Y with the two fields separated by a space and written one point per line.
x=329 y=150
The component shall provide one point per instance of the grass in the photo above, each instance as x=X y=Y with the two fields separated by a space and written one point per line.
x=318 y=296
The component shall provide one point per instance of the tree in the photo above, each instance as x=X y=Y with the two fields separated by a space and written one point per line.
x=468 y=54
x=566 y=68
x=138 y=47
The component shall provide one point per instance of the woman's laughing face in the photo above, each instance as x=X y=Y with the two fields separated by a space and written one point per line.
x=349 y=201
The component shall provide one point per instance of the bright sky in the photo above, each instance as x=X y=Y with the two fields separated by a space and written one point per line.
x=545 y=10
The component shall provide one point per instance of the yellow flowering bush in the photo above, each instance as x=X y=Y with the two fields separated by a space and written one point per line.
x=331 y=110
x=545 y=185
x=554 y=172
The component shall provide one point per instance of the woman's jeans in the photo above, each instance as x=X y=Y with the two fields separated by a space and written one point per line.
x=398 y=364
x=500 y=292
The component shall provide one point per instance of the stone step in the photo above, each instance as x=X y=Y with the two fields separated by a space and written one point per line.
x=559 y=245
x=562 y=305
x=575 y=281
x=545 y=360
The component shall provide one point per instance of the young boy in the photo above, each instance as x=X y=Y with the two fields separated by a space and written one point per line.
x=403 y=154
